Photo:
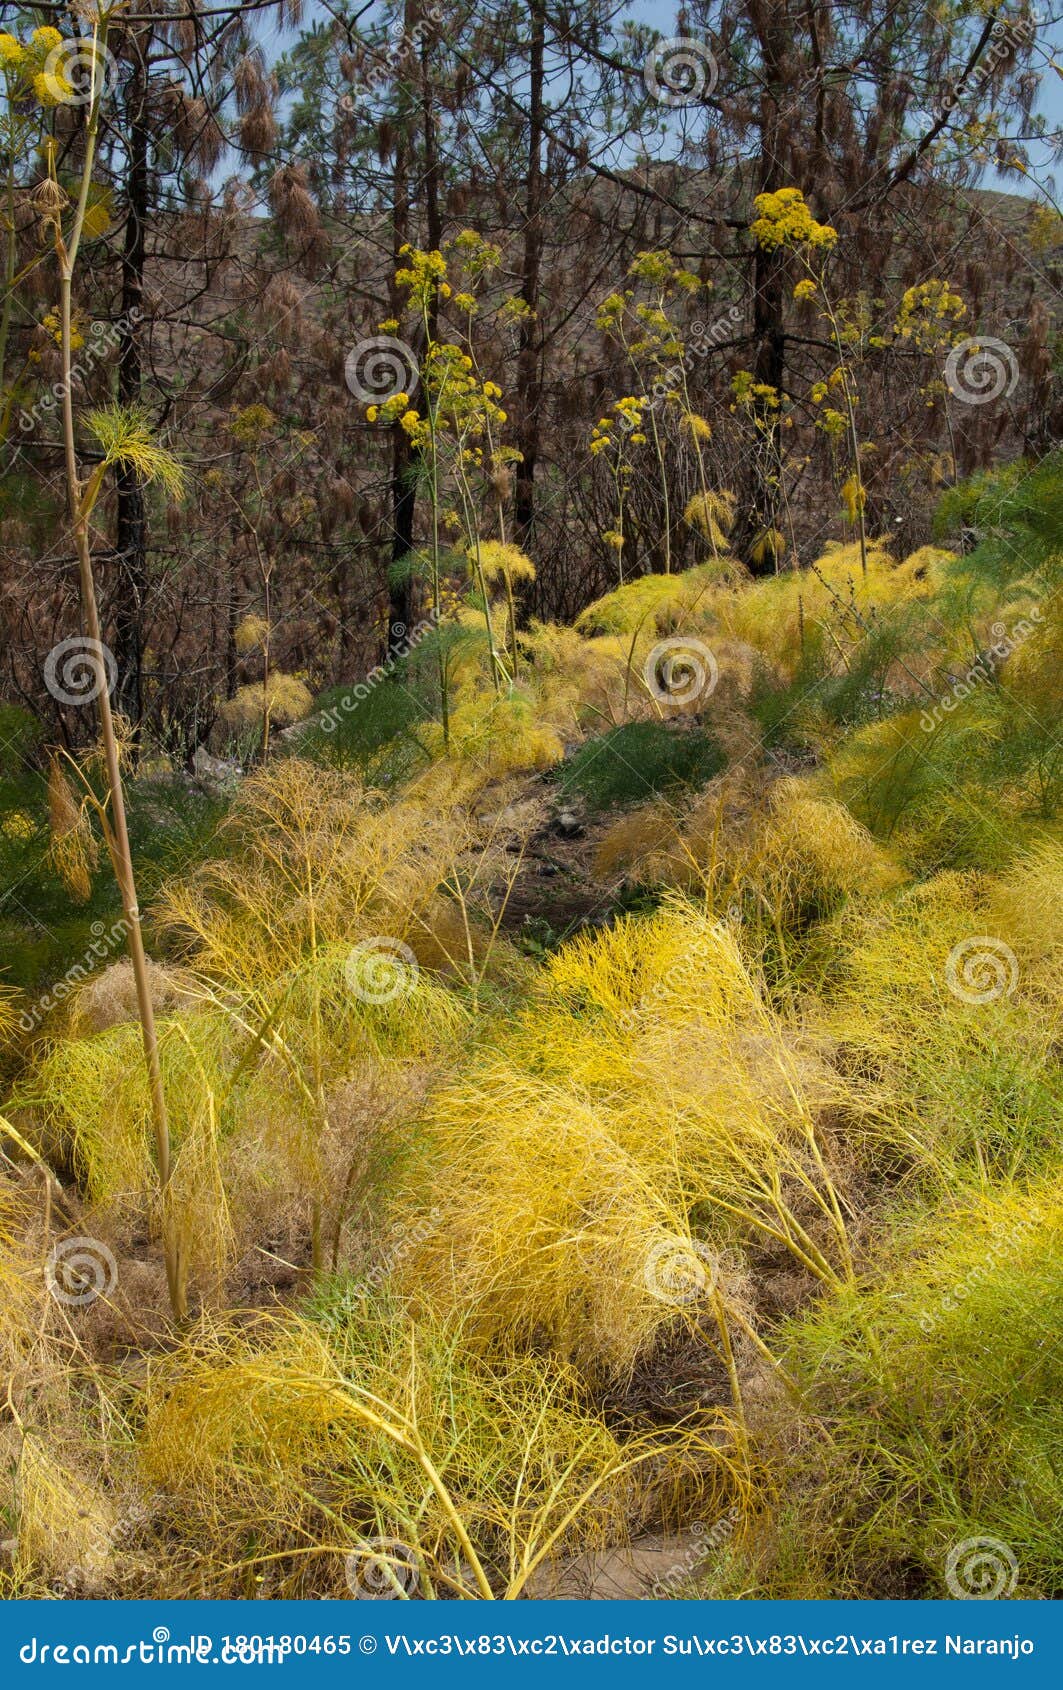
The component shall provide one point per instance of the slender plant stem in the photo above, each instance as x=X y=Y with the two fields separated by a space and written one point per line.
x=79 y=509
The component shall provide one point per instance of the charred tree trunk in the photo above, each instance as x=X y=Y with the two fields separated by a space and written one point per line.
x=404 y=460
x=131 y=528
x=769 y=269
x=528 y=360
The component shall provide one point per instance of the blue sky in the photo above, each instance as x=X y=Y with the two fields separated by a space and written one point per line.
x=662 y=15
x=1050 y=95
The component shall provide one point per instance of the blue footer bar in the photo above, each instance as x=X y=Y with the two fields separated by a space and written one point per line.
x=438 y=1644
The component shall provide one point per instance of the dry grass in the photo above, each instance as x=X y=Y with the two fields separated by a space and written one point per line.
x=641 y=1233
x=294 y=1448
x=647 y=1106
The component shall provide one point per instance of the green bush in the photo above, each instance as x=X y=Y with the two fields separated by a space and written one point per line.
x=633 y=762
x=934 y=1414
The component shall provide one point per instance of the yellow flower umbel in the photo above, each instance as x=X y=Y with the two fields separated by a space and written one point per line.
x=502 y=562
x=52 y=325
x=457 y=424
x=30 y=69
x=928 y=315
x=251 y=426
x=712 y=514
x=51 y=85
x=422 y=274
x=648 y=330
x=784 y=223
x=696 y=426
x=784 y=220
x=617 y=435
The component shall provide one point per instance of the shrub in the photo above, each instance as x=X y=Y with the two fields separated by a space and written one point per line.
x=630 y=763
x=932 y=1417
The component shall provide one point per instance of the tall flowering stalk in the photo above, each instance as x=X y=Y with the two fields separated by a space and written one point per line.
x=457 y=431
x=618 y=436
x=124 y=442
x=653 y=344
x=784 y=221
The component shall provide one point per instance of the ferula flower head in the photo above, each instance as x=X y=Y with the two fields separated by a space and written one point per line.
x=784 y=220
